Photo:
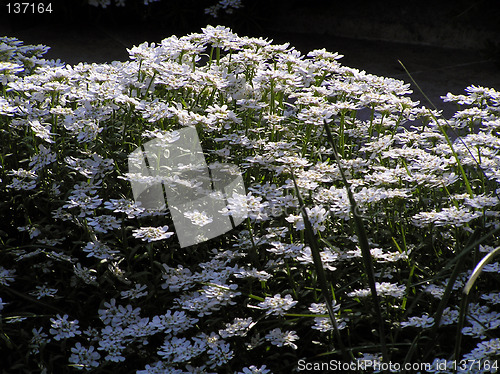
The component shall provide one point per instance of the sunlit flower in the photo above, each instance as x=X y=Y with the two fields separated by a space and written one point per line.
x=43 y=132
x=239 y=327
x=277 y=305
x=151 y=234
x=100 y=250
x=423 y=322
x=129 y=207
x=23 y=180
x=383 y=289
x=447 y=216
x=198 y=218
x=279 y=338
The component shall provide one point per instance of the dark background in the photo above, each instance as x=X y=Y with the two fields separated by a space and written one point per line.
x=446 y=45
x=459 y=23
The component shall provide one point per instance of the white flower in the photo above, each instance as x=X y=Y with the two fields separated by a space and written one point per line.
x=44 y=291
x=85 y=274
x=219 y=352
x=23 y=180
x=135 y=293
x=492 y=268
x=43 y=132
x=328 y=257
x=159 y=367
x=84 y=358
x=277 y=305
x=452 y=216
x=492 y=297
x=218 y=36
x=129 y=207
x=151 y=234
x=5 y=108
x=113 y=349
x=436 y=291
x=82 y=199
x=485 y=349
x=198 y=218
x=449 y=317
x=94 y=167
x=236 y=206
x=177 y=279
x=173 y=323
x=62 y=328
x=260 y=275
x=323 y=54
x=423 y=322
x=118 y=315
x=37 y=340
x=100 y=250
x=316 y=215
x=221 y=292
x=43 y=158
x=280 y=338
x=383 y=289
x=6 y=276
x=32 y=230
x=239 y=327
x=177 y=350
x=2 y=304
x=104 y=223
x=255 y=370
x=324 y=323
x=221 y=115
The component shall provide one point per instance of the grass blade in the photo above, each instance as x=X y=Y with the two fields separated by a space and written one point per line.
x=365 y=248
x=479 y=268
x=465 y=300
x=448 y=140
x=320 y=271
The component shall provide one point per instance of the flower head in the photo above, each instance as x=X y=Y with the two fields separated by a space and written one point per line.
x=152 y=234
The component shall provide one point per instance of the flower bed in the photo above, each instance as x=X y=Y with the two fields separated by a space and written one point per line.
x=92 y=280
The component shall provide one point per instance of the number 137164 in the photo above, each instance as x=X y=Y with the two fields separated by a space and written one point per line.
x=29 y=8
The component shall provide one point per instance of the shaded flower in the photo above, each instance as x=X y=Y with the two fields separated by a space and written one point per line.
x=62 y=328
x=6 y=276
x=84 y=358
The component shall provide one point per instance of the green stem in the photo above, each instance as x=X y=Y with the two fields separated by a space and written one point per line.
x=365 y=248
x=320 y=271
x=443 y=131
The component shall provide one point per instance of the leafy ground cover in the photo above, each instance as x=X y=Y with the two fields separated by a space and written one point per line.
x=367 y=214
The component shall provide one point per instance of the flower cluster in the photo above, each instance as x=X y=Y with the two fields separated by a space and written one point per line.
x=93 y=281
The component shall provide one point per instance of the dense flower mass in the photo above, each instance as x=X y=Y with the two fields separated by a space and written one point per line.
x=91 y=280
